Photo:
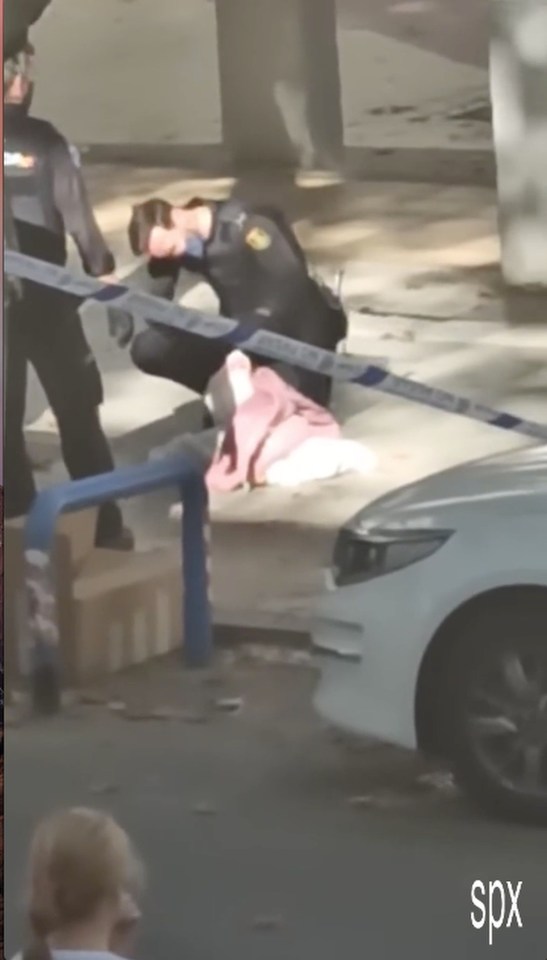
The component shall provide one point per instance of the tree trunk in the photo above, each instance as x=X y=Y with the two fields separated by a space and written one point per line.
x=280 y=81
x=518 y=77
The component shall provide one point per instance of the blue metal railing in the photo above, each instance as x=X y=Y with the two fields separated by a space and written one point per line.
x=43 y=663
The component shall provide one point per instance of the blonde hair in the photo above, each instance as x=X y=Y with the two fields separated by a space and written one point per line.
x=80 y=860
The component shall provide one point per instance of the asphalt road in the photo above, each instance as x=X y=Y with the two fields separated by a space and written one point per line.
x=253 y=844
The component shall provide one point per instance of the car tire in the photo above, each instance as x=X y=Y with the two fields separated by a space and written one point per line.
x=497 y=710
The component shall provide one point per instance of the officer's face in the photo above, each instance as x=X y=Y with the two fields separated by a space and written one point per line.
x=166 y=242
x=20 y=91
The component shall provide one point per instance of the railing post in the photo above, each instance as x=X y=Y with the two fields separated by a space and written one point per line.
x=198 y=633
x=39 y=653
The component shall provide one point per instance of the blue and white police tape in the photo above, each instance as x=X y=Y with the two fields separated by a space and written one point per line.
x=263 y=343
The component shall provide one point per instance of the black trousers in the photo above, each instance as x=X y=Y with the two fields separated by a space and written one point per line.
x=191 y=360
x=43 y=328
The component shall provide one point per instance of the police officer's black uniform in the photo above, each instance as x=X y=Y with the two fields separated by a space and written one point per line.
x=48 y=201
x=259 y=273
x=19 y=15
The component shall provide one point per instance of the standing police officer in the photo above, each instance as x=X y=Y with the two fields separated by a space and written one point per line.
x=19 y=16
x=255 y=265
x=48 y=200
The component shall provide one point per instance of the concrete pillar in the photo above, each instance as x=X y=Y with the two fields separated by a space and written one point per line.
x=518 y=77
x=280 y=81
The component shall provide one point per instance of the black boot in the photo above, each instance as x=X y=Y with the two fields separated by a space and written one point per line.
x=111 y=533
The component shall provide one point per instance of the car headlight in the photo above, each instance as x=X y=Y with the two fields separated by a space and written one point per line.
x=362 y=556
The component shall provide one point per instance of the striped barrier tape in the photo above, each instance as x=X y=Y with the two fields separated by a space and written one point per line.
x=263 y=343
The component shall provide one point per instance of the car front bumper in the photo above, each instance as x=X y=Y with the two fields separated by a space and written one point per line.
x=368 y=642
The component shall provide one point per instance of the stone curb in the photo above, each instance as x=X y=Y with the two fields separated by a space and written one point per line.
x=455 y=167
x=250 y=634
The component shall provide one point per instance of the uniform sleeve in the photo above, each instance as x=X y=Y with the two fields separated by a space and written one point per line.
x=158 y=278
x=73 y=204
x=281 y=273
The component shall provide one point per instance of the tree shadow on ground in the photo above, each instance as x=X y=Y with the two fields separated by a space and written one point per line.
x=411 y=215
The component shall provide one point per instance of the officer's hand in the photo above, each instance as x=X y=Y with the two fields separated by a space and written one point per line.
x=121 y=326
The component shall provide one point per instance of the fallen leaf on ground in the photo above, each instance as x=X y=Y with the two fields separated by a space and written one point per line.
x=441 y=780
x=117 y=706
x=361 y=801
x=229 y=704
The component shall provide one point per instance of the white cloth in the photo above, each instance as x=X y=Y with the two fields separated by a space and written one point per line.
x=321 y=458
x=227 y=391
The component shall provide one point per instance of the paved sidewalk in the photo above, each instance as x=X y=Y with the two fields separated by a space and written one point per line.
x=417 y=224
x=256 y=844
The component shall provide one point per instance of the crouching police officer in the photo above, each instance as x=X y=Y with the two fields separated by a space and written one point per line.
x=255 y=265
x=48 y=200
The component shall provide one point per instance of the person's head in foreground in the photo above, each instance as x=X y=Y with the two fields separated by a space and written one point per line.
x=18 y=85
x=163 y=231
x=83 y=874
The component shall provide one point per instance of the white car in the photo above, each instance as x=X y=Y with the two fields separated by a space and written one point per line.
x=433 y=634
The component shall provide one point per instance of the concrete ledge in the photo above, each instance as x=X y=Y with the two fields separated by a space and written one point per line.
x=203 y=157
x=458 y=166
x=250 y=631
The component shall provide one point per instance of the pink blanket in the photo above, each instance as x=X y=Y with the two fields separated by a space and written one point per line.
x=269 y=423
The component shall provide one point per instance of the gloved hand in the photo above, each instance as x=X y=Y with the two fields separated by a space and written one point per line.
x=121 y=326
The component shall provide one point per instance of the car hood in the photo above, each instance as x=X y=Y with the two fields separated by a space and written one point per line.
x=496 y=486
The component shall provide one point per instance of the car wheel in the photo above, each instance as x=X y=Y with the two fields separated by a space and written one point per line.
x=498 y=701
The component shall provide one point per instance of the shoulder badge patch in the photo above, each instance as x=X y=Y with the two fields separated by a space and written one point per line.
x=75 y=155
x=21 y=161
x=258 y=239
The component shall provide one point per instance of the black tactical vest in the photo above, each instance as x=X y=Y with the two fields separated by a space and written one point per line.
x=29 y=181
